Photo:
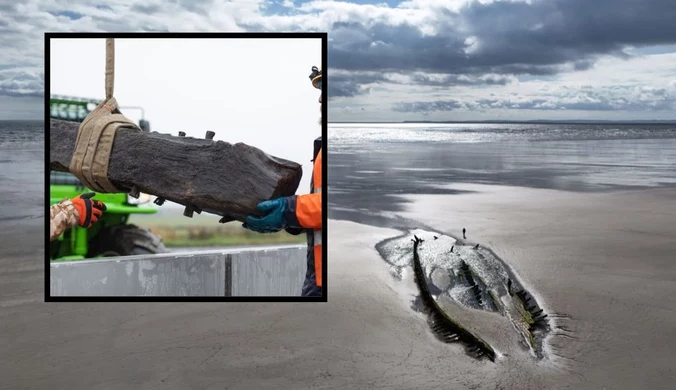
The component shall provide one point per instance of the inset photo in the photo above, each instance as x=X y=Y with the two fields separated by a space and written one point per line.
x=185 y=167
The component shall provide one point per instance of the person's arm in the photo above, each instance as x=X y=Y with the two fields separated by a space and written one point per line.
x=81 y=211
x=304 y=211
x=62 y=216
x=291 y=213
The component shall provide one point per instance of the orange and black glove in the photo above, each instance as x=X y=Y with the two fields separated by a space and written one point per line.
x=88 y=210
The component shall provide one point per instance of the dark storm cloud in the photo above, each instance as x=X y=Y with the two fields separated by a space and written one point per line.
x=354 y=84
x=359 y=83
x=389 y=48
x=583 y=65
x=531 y=69
x=513 y=38
x=346 y=89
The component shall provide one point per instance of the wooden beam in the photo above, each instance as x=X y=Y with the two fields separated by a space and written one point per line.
x=205 y=175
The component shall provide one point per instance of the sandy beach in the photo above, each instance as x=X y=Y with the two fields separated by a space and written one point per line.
x=365 y=337
x=603 y=259
x=601 y=264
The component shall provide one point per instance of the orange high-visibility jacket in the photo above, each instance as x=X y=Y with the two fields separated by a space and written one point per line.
x=306 y=211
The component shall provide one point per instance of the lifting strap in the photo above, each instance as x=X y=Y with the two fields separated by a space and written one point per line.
x=96 y=135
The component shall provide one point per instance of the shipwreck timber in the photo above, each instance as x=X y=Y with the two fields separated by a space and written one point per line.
x=204 y=175
x=446 y=329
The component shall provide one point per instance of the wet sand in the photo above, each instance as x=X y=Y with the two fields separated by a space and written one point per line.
x=606 y=260
x=365 y=337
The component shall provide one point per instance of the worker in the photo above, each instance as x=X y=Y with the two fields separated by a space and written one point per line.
x=80 y=211
x=299 y=213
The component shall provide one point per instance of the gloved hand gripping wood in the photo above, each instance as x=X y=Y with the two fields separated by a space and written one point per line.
x=89 y=210
x=79 y=211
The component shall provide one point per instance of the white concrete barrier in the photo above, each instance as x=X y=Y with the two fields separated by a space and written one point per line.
x=276 y=271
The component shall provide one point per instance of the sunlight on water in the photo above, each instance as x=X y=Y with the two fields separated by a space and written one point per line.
x=358 y=134
x=368 y=162
x=22 y=170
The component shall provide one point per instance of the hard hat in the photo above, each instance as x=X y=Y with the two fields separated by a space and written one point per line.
x=316 y=77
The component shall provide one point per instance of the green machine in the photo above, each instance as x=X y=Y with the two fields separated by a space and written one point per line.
x=112 y=235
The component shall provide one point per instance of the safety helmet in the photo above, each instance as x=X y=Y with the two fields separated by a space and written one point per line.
x=316 y=77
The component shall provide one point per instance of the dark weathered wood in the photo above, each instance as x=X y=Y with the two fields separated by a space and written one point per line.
x=210 y=176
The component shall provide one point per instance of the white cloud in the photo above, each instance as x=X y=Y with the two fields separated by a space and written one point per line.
x=23 y=24
x=621 y=83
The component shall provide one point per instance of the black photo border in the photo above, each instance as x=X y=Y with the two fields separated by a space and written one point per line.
x=190 y=35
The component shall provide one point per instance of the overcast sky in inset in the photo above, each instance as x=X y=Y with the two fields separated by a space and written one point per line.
x=396 y=60
x=255 y=91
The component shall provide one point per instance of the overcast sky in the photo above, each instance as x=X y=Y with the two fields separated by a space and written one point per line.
x=255 y=91
x=410 y=60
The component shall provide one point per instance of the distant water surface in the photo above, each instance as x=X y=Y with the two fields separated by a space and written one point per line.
x=22 y=152
x=370 y=162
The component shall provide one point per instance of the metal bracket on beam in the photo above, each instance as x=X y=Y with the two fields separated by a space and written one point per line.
x=134 y=192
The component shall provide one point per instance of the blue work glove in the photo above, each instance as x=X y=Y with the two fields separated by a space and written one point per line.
x=273 y=221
